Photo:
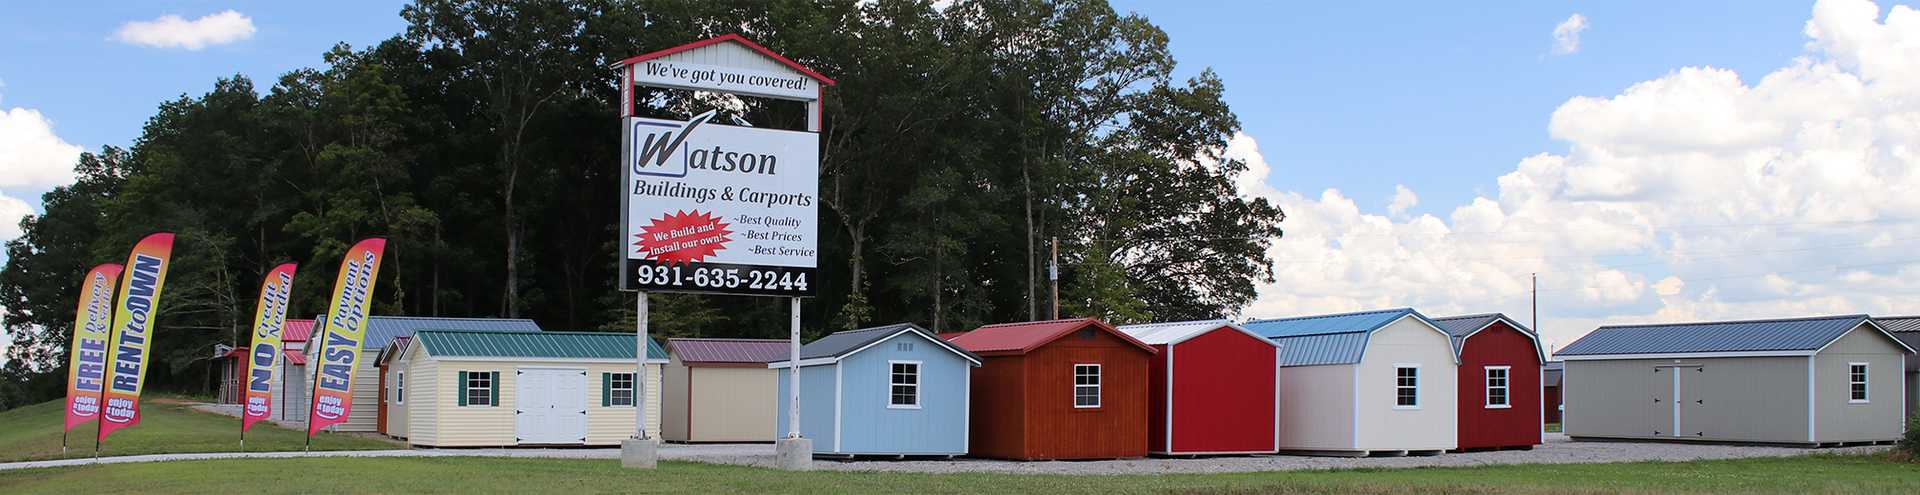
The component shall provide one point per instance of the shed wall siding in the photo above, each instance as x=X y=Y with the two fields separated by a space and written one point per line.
x=365 y=415
x=610 y=425
x=1433 y=426
x=937 y=427
x=396 y=411
x=998 y=416
x=1752 y=399
x=1316 y=407
x=734 y=404
x=1223 y=393
x=673 y=413
x=425 y=391
x=1057 y=430
x=817 y=406
x=1880 y=418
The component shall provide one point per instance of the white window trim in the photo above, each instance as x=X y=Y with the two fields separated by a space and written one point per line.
x=1866 y=382
x=1487 y=390
x=1417 y=385
x=917 y=375
x=467 y=388
x=400 y=387
x=1099 y=394
x=632 y=388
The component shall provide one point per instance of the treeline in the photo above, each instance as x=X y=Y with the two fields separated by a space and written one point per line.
x=482 y=142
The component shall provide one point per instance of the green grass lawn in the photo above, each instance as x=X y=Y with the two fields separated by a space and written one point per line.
x=1812 y=474
x=1553 y=427
x=166 y=426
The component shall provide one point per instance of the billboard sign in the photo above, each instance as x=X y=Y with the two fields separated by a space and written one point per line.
x=717 y=208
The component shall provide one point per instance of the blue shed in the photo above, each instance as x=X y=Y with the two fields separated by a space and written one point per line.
x=889 y=390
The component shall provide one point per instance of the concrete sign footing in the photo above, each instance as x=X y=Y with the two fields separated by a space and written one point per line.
x=637 y=453
x=793 y=454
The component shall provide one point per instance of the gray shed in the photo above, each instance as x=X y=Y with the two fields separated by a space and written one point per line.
x=1808 y=381
x=1907 y=330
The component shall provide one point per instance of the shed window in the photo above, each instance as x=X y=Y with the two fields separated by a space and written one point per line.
x=1406 y=386
x=1086 y=385
x=620 y=389
x=903 y=389
x=1497 y=387
x=1857 y=383
x=477 y=388
x=400 y=387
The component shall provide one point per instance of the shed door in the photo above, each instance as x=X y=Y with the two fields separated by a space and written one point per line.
x=1663 y=416
x=550 y=406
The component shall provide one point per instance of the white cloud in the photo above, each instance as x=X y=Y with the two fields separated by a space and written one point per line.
x=33 y=155
x=172 y=31
x=1566 y=35
x=1403 y=199
x=1689 y=196
x=11 y=211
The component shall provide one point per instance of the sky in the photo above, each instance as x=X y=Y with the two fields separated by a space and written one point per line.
x=1650 y=161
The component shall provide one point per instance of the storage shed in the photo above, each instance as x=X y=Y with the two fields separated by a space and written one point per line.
x=720 y=390
x=1906 y=329
x=892 y=390
x=1370 y=383
x=1219 y=397
x=1502 y=401
x=381 y=330
x=1551 y=377
x=289 y=405
x=392 y=382
x=1807 y=381
x=465 y=388
x=1062 y=389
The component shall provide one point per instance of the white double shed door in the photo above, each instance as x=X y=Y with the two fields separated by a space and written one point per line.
x=550 y=406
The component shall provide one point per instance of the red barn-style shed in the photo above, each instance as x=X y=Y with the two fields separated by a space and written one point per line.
x=1213 y=389
x=1501 y=403
x=1062 y=389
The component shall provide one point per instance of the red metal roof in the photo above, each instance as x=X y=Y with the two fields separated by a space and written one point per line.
x=742 y=40
x=297 y=331
x=728 y=350
x=1022 y=338
x=948 y=336
x=296 y=357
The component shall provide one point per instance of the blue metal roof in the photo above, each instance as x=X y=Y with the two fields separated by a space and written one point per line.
x=1365 y=321
x=1790 y=334
x=382 y=329
x=537 y=344
x=1317 y=350
x=846 y=342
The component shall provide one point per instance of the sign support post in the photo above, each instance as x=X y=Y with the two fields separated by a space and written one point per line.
x=714 y=206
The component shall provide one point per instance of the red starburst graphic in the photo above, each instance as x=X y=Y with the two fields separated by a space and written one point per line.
x=683 y=237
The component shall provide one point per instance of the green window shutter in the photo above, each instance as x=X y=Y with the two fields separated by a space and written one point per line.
x=495 y=393
x=606 y=389
x=461 y=389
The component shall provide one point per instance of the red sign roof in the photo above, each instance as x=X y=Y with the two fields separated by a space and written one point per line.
x=297 y=331
x=296 y=357
x=743 y=41
x=728 y=350
x=1022 y=338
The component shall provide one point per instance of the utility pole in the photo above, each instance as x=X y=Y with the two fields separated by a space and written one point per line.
x=1536 y=303
x=1053 y=277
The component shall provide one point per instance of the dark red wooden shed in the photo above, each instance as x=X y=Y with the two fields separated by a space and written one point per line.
x=1062 y=389
x=1500 y=389
x=1212 y=389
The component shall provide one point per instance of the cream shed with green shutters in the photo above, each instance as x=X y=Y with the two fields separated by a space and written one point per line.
x=502 y=389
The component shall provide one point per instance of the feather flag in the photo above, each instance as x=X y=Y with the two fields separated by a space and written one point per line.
x=133 y=312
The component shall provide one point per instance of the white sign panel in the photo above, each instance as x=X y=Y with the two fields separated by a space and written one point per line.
x=718 y=208
x=726 y=79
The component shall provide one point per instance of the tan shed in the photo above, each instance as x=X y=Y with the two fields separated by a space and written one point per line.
x=502 y=389
x=720 y=390
x=1809 y=381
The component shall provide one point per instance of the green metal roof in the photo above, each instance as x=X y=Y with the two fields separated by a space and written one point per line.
x=555 y=345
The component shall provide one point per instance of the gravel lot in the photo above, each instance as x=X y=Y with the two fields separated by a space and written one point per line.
x=1557 y=451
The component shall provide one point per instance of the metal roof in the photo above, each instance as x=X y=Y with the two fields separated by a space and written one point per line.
x=1364 y=321
x=728 y=350
x=1174 y=332
x=1775 y=335
x=297 y=331
x=840 y=344
x=1899 y=324
x=382 y=329
x=1022 y=338
x=1323 y=349
x=1461 y=327
x=391 y=351
x=534 y=345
